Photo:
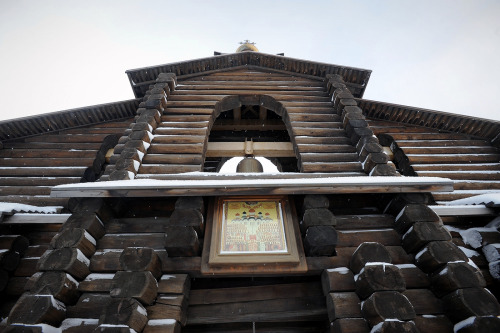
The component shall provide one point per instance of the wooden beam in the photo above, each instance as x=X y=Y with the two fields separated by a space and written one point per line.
x=256 y=184
x=267 y=149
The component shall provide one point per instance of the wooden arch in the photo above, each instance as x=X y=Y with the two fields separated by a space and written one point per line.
x=267 y=102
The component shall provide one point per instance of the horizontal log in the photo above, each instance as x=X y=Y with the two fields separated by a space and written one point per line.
x=459 y=175
x=328 y=157
x=322 y=140
x=353 y=238
x=121 y=241
x=166 y=119
x=273 y=93
x=331 y=167
x=254 y=293
x=46 y=153
x=160 y=148
x=179 y=138
x=440 y=143
x=37 y=181
x=172 y=159
x=288 y=309
x=71 y=171
x=137 y=225
x=453 y=158
x=51 y=145
x=316 y=148
x=249 y=88
x=169 y=168
x=73 y=138
x=165 y=130
x=319 y=131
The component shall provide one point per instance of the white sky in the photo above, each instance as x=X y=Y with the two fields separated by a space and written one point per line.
x=441 y=55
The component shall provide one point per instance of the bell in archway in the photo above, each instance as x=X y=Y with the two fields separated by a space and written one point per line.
x=249 y=165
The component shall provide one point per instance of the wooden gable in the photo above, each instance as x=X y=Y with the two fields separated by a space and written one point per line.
x=374 y=247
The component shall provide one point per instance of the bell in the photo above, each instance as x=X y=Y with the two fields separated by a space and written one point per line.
x=249 y=165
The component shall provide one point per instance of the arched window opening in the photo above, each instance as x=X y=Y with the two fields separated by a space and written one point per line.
x=250 y=129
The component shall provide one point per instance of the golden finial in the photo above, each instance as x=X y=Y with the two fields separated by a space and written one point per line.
x=247 y=45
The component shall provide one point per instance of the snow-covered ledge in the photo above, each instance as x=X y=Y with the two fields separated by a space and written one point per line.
x=209 y=184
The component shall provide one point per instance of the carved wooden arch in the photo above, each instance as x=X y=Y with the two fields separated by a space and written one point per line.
x=231 y=102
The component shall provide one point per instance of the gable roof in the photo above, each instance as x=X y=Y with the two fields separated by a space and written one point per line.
x=356 y=78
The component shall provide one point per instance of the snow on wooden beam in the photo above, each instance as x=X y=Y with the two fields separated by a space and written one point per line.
x=462 y=210
x=251 y=184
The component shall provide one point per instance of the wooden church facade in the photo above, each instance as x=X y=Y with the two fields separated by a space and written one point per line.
x=115 y=218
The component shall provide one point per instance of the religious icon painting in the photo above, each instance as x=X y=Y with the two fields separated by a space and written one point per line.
x=253 y=234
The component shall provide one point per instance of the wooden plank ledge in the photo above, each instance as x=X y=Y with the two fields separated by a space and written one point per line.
x=246 y=184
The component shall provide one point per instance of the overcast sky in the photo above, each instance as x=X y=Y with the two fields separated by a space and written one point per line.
x=440 y=55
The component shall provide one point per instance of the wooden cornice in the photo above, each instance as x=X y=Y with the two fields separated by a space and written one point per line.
x=62 y=120
x=356 y=76
x=450 y=122
x=251 y=184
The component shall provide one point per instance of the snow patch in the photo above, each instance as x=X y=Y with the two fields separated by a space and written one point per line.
x=340 y=270
x=464 y=323
x=160 y=322
x=10 y=207
x=468 y=252
x=482 y=199
x=491 y=252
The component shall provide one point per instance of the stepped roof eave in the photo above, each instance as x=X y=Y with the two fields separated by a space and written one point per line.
x=356 y=78
x=65 y=119
x=474 y=126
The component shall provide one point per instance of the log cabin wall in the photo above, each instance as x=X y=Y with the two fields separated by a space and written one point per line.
x=135 y=263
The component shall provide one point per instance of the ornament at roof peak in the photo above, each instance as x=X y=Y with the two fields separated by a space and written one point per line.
x=247 y=46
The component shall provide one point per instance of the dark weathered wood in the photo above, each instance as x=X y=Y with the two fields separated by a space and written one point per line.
x=121 y=241
x=89 y=305
x=174 y=284
x=288 y=309
x=337 y=279
x=379 y=277
x=432 y=323
x=396 y=326
x=343 y=305
x=9 y=260
x=468 y=302
x=368 y=252
x=15 y=243
x=66 y=259
x=456 y=275
x=437 y=254
x=382 y=305
x=188 y=218
x=36 y=309
x=141 y=259
x=59 y=284
x=480 y=325
x=181 y=241
x=317 y=216
x=127 y=312
x=421 y=233
x=161 y=310
x=162 y=326
x=413 y=213
x=349 y=325
x=139 y=285
x=85 y=220
x=424 y=301
x=320 y=240
x=254 y=293
x=75 y=238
